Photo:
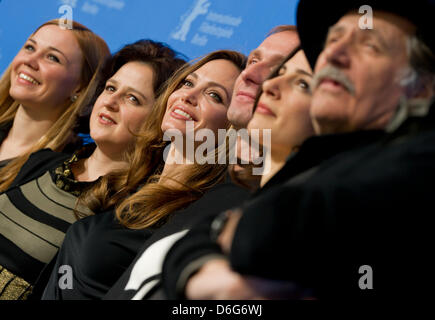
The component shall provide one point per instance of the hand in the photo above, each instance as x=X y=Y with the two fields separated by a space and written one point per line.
x=216 y=281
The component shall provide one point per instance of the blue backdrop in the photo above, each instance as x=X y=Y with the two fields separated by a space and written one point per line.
x=192 y=27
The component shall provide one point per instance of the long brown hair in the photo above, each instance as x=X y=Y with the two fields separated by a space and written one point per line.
x=164 y=62
x=95 y=51
x=151 y=201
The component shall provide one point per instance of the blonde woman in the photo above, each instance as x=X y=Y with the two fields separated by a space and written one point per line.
x=99 y=248
x=41 y=91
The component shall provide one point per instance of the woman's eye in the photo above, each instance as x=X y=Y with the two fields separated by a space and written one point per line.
x=29 y=47
x=110 y=88
x=303 y=84
x=53 y=58
x=187 y=83
x=216 y=97
x=133 y=99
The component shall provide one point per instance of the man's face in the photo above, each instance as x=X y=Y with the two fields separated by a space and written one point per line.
x=261 y=62
x=357 y=83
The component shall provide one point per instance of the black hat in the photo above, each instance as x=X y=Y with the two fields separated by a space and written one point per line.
x=315 y=17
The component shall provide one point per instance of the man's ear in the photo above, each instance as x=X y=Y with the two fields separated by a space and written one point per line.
x=422 y=88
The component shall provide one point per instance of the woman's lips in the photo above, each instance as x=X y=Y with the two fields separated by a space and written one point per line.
x=263 y=109
x=27 y=79
x=106 y=119
x=181 y=113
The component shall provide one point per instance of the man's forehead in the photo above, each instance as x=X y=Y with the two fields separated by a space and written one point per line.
x=277 y=45
x=383 y=23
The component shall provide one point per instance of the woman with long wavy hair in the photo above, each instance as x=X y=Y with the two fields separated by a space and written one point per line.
x=99 y=248
x=44 y=92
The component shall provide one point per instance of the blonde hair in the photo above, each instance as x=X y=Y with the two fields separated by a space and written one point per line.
x=151 y=201
x=95 y=51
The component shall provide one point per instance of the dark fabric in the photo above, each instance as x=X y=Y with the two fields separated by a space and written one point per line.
x=372 y=206
x=4 y=130
x=98 y=250
x=63 y=175
x=198 y=243
x=219 y=198
x=38 y=163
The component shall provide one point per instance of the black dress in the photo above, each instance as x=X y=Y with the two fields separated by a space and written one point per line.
x=95 y=253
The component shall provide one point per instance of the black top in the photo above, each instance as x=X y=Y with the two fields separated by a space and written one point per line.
x=4 y=130
x=97 y=250
x=142 y=279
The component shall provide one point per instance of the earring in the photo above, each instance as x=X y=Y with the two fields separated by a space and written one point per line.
x=74 y=98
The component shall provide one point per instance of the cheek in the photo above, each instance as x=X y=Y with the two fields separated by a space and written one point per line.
x=134 y=119
x=172 y=98
x=16 y=61
x=96 y=108
x=216 y=118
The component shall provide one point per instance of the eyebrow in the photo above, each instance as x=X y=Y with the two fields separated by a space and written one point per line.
x=304 y=72
x=213 y=84
x=373 y=32
x=298 y=70
x=255 y=53
x=128 y=88
x=52 y=48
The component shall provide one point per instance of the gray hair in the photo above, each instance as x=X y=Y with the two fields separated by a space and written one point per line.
x=421 y=62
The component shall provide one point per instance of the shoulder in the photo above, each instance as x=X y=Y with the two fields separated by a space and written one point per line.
x=38 y=163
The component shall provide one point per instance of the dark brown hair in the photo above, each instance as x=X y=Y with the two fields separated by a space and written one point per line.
x=164 y=62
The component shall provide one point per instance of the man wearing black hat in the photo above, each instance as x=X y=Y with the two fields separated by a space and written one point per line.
x=350 y=215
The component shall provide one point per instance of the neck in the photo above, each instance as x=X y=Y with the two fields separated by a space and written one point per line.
x=276 y=161
x=28 y=127
x=98 y=164
x=175 y=164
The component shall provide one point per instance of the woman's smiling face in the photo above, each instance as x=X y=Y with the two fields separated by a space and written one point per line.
x=203 y=98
